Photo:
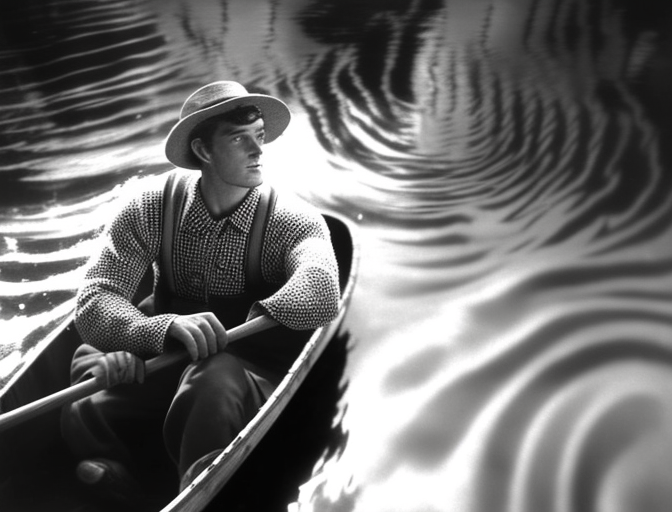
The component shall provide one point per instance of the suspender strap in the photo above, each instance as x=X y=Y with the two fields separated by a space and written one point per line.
x=253 y=276
x=174 y=197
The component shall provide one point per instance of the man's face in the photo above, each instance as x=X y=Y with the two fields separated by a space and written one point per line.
x=235 y=153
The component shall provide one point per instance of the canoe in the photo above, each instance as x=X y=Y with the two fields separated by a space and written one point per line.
x=32 y=452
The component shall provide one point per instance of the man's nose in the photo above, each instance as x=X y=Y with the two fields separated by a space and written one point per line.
x=255 y=147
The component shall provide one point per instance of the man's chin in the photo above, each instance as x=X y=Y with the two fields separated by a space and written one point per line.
x=256 y=178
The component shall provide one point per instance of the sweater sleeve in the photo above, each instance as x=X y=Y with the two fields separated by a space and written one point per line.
x=309 y=297
x=105 y=316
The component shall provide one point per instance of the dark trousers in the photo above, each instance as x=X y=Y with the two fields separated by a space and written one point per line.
x=199 y=408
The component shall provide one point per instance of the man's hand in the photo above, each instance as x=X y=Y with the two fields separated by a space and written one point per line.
x=118 y=368
x=202 y=334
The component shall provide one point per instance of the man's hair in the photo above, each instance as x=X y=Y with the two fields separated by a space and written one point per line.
x=245 y=114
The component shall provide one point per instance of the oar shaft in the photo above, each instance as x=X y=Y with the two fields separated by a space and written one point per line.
x=58 y=399
x=91 y=386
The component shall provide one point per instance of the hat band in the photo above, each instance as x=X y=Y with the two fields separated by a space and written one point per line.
x=207 y=104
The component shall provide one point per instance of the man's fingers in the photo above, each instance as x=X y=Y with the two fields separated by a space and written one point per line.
x=220 y=334
x=182 y=333
x=209 y=335
x=197 y=341
x=119 y=368
x=133 y=369
x=103 y=368
x=202 y=334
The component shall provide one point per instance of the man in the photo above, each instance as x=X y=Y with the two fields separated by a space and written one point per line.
x=200 y=407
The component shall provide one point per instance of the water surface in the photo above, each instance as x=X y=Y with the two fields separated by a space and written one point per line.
x=508 y=167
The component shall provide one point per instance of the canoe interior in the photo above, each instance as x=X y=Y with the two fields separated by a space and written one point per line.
x=37 y=472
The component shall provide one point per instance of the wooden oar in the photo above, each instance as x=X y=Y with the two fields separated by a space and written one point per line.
x=91 y=386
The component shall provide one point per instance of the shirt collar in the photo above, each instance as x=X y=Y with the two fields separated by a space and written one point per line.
x=197 y=218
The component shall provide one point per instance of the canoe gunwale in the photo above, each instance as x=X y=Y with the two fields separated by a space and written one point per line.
x=206 y=484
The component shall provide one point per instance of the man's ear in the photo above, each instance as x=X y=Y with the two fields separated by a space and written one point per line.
x=200 y=150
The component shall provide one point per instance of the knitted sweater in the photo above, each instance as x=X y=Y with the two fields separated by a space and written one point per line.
x=209 y=259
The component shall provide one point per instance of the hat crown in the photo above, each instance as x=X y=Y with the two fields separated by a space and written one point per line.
x=210 y=95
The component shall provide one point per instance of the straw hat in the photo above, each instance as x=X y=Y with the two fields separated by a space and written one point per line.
x=214 y=99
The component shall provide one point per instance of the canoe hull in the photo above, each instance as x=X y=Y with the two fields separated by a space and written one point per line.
x=37 y=442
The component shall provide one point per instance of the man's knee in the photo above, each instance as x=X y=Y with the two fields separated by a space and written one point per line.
x=214 y=401
x=221 y=374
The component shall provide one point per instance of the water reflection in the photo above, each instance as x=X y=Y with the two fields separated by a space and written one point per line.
x=508 y=167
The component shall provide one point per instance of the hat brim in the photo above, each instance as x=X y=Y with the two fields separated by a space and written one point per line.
x=178 y=143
